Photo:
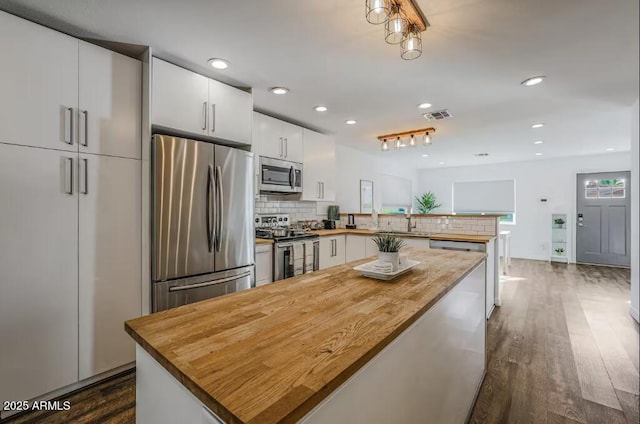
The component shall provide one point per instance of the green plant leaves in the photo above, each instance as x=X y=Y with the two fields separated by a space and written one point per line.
x=388 y=242
x=427 y=202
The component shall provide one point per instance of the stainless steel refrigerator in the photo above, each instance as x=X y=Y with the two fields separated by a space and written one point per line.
x=203 y=232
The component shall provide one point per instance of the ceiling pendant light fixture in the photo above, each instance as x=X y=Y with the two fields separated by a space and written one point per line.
x=403 y=23
x=396 y=26
x=377 y=11
x=411 y=45
x=397 y=139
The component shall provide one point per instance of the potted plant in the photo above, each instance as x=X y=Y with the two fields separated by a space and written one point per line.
x=560 y=251
x=389 y=246
x=559 y=222
x=427 y=202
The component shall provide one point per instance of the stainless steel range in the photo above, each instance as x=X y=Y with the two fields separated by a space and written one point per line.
x=295 y=251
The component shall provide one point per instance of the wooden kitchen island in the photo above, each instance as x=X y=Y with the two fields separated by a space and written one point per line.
x=326 y=347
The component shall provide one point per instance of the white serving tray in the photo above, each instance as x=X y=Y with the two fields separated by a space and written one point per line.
x=368 y=270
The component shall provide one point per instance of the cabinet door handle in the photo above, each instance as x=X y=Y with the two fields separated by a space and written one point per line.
x=322 y=185
x=213 y=117
x=85 y=176
x=204 y=115
x=286 y=147
x=318 y=191
x=85 y=133
x=68 y=125
x=68 y=178
x=281 y=148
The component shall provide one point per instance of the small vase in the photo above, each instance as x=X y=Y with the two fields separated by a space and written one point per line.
x=391 y=257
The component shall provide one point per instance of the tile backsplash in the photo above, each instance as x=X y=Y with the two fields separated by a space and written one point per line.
x=436 y=224
x=303 y=211
x=297 y=210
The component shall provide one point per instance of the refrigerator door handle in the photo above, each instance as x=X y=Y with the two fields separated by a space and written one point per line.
x=208 y=202
x=211 y=283
x=219 y=207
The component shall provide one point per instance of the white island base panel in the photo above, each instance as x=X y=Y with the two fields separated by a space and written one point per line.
x=431 y=373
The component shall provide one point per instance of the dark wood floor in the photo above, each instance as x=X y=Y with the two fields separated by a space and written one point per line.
x=562 y=349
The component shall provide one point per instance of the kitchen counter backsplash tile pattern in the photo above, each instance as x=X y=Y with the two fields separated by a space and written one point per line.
x=437 y=224
x=297 y=210
x=303 y=211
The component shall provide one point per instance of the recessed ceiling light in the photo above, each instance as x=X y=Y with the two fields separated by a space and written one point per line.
x=218 y=63
x=350 y=122
x=279 y=90
x=424 y=106
x=538 y=125
x=481 y=155
x=320 y=108
x=610 y=149
x=442 y=163
x=538 y=154
x=533 y=80
x=538 y=142
x=425 y=156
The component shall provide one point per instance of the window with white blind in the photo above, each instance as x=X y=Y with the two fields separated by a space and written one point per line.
x=490 y=197
x=395 y=193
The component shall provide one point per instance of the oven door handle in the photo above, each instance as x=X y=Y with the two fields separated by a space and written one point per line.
x=284 y=245
x=210 y=283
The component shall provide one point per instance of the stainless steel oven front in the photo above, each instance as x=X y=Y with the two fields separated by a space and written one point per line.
x=280 y=176
x=283 y=265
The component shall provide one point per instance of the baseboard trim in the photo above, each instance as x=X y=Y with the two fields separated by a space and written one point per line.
x=634 y=313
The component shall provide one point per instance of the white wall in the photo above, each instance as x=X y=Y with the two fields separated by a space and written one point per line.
x=635 y=212
x=354 y=165
x=554 y=179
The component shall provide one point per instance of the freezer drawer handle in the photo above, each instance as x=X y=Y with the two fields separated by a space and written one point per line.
x=210 y=283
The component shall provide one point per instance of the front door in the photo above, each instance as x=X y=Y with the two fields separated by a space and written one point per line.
x=603 y=224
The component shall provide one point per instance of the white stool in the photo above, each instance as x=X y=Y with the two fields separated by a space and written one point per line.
x=505 y=236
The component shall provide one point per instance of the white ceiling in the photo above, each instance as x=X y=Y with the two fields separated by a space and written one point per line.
x=475 y=54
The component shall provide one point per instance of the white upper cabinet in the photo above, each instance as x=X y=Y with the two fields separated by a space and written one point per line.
x=39 y=85
x=293 y=148
x=192 y=103
x=319 y=178
x=279 y=139
x=110 y=110
x=230 y=113
x=180 y=98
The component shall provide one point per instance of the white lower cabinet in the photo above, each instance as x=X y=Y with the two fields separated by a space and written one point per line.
x=264 y=264
x=39 y=278
x=332 y=251
x=356 y=248
x=109 y=260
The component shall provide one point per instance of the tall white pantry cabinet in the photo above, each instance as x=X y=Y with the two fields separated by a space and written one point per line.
x=70 y=209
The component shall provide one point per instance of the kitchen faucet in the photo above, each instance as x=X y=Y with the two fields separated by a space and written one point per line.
x=409 y=226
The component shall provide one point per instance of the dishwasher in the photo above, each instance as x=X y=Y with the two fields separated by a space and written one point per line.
x=464 y=246
x=491 y=284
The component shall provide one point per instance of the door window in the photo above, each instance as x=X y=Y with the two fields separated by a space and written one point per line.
x=605 y=189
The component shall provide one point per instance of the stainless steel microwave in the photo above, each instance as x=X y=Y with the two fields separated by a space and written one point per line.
x=280 y=176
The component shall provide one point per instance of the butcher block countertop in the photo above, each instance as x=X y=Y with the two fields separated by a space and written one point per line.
x=272 y=353
x=440 y=236
x=264 y=241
